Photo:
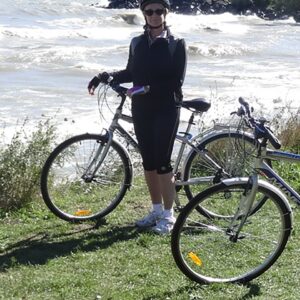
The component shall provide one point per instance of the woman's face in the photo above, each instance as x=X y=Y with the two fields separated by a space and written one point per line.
x=155 y=14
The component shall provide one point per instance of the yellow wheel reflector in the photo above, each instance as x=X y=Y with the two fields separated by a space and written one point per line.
x=195 y=259
x=83 y=212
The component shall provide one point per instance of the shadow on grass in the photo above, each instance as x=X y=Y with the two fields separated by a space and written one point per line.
x=186 y=289
x=41 y=247
x=193 y=288
x=254 y=290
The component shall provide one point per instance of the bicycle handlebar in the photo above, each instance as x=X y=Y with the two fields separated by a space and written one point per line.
x=258 y=126
x=245 y=104
x=123 y=91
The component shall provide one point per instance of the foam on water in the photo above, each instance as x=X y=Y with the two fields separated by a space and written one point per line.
x=50 y=49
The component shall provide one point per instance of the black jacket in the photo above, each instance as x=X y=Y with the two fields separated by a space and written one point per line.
x=153 y=64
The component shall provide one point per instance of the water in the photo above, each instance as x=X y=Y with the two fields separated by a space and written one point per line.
x=49 y=50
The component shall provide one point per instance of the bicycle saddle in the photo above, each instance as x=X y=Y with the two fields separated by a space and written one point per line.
x=198 y=104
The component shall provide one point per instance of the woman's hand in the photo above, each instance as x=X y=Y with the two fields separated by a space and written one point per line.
x=93 y=84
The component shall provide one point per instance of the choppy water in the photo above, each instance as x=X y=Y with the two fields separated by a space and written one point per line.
x=49 y=50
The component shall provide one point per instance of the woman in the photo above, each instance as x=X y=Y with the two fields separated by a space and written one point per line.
x=158 y=59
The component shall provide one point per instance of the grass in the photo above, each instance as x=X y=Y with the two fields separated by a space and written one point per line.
x=42 y=257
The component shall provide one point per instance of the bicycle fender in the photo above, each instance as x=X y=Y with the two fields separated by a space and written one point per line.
x=212 y=132
x=200 y=138
x=263 y=183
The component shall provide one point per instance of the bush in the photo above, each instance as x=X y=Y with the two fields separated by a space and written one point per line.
x=289 y=130
x=21 y=162
x=289 y=135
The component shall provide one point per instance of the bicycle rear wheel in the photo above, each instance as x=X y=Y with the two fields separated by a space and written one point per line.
x=232 y=151
x=67 y=189
x=201 y=244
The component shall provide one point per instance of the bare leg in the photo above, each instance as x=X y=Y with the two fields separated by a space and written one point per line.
x=152 y=180
x=167 y=188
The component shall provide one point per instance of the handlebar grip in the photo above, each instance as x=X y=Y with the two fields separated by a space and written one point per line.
x=246 y=105
x=273 y=139
x=118 y=88
x=138 y=90
x=243 y=102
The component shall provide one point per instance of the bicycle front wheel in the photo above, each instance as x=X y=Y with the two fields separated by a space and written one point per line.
x=203 y=247
x=74 y=188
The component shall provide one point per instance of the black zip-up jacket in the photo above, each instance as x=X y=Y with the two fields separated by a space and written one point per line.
x=153 y=64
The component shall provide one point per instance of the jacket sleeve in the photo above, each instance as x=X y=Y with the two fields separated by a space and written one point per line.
x=180 y=61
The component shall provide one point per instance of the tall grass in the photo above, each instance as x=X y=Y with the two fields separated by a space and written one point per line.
x=288 y=131
x=20 y=164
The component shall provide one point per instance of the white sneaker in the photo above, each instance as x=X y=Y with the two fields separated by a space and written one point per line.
x=149 y=220
x=164 y=225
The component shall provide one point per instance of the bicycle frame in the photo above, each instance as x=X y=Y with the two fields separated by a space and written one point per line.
x=274 y=182
x=273 y=177
x=185 y=138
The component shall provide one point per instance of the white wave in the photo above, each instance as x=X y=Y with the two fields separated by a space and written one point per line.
x=218 y=50
x=133 y=18
x=53 y=35
x=64 y=57
x=58 y=45
x=225 y=23
x=102 y=3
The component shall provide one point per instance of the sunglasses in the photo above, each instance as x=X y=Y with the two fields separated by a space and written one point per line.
x=150 y=12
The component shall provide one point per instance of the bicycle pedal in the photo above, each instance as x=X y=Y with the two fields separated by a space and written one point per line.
x=178 y=209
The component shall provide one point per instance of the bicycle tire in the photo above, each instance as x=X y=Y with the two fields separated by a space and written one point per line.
x=72 y=198
x=233 y=151
x=224 y=149
x=202 y=248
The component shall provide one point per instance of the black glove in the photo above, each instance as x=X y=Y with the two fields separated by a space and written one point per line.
x=93 y=84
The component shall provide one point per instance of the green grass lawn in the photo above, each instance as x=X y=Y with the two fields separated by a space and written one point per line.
x=42 y=257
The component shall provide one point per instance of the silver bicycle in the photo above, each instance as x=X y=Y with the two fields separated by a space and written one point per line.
x=87 y=176
x=252 y=221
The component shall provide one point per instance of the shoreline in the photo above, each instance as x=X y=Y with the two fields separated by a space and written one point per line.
x=214 y=7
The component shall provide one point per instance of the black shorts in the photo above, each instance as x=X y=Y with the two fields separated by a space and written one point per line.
x=156 y=131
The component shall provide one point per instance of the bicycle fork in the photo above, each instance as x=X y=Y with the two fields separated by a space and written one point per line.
x=243 y=210
x=98 y=157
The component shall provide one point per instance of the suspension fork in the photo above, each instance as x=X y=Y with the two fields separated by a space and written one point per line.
x=244 y=209
x=98 y=157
